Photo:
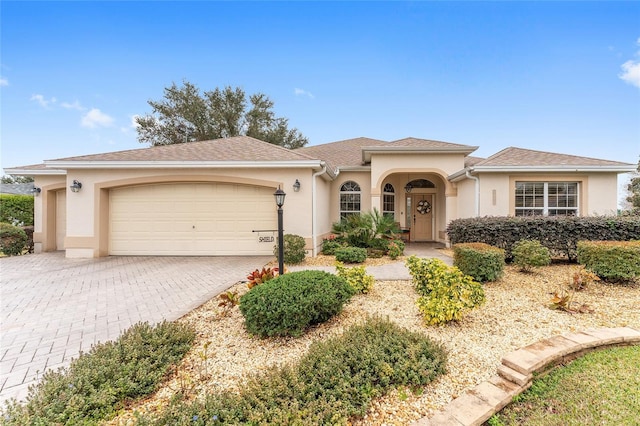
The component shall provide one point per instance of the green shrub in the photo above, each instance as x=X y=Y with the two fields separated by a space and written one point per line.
x=611 y=260
x=445 y=292
x=100 y=382
x=13 y=240
x=360 y=230
x=351 y=254
x=396 y=249
x=380 y=244
x=16 y=209
x=293 y=249
x=480 y=261
x=289 y=303
x=335 y=381
x=528 y=254
x=356 y=277
x=329 y=247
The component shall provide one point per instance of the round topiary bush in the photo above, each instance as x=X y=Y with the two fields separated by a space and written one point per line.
x=294 y=251
x=288 y=304
x=13 y=240
x=529 y=254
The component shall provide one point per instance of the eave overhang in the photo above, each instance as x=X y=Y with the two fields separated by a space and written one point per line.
x=542 y=169
x=368 y=151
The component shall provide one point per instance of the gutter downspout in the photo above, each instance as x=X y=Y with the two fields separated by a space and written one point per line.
x=477 y=191
x=314 y=203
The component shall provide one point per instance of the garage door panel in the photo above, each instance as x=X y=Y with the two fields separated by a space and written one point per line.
x=190 y=219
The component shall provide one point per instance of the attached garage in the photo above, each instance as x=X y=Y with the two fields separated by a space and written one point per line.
x=187 y=219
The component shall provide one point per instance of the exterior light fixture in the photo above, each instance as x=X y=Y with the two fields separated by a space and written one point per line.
x=36 y=191
x=408 y=187
x=279 y=196
x=296 y=186
x=76 y=186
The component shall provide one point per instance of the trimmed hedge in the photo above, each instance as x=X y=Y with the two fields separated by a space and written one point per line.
x=560 y=234
x=289 y=303
x=528 y=254
x=16 y=209
x=479 y=260
x=351 y=254
x=611 y=260
x=334 y=382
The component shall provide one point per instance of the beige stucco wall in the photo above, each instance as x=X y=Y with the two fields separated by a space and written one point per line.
x=361 y=178
x=597 y=192
x=87 y=210
x=44 y=222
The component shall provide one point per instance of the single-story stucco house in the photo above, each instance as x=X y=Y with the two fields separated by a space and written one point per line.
x=216 y=197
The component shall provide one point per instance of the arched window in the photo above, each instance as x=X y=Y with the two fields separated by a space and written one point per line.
x=388 y=200
x=419 y=183
x=349 y=199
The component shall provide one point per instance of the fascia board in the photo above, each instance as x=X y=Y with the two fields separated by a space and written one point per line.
x=355 y=169
x=35 y=172
x=183 y=164
x=368 y=150
x=555 y=168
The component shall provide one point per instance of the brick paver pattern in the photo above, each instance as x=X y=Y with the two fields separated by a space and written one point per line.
x=54 y=307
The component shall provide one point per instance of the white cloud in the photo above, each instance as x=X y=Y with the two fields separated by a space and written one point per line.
x=302 y=92
x=631 y=70
x=44 y=103
x=75 y=105
x=3 y=82
x=95 y=118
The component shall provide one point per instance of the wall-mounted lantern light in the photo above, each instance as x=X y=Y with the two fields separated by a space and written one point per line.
x=36 y=191
x=76 y=186
x=408 y=187
x=296 y=186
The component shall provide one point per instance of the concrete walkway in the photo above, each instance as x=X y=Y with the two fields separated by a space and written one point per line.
x=52 y=307
x=396 y=270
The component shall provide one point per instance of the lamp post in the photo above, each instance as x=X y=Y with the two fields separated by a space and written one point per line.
x=279 y=196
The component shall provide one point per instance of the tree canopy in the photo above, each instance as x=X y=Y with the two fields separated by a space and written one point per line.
x=633 y=190
x=186 y=115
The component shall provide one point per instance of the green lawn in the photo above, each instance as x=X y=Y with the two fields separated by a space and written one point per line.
x=603 y=388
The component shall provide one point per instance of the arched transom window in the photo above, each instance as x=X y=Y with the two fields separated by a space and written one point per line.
x=388 y=200
x=349 y=199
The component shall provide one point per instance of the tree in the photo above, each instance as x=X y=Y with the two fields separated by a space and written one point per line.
x=8 y=179
x=186 y=115
x=633 y=190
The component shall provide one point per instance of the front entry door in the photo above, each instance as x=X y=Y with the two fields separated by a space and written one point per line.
x=422 y=211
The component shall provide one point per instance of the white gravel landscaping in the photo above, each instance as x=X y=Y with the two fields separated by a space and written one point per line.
x=515 y=314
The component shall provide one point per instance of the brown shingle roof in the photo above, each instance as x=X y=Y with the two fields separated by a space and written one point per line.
x=238 y=148
x=527 y=157
x=427 y=143
x=348 y=153
x=342 y=153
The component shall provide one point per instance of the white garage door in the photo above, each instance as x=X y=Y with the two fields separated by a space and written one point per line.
x=187 y=219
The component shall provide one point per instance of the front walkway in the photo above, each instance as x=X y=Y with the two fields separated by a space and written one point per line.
x=54 y=307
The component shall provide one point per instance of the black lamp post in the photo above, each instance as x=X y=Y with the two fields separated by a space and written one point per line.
x=279 y=195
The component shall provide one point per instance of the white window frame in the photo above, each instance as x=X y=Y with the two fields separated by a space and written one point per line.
x=547 y=207
x=351 y=193
x=389 y=199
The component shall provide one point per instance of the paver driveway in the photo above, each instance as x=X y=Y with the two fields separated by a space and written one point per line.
x=53 y=307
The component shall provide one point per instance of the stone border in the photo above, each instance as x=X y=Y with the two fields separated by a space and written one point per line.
x=515 y=374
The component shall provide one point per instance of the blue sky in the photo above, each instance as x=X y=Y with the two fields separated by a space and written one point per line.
x=554 y=76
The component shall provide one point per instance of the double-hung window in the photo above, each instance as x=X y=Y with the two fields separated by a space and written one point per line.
x=349 y=199
x=547 y=199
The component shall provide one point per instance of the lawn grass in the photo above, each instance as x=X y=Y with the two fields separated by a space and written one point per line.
x=602 y=387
